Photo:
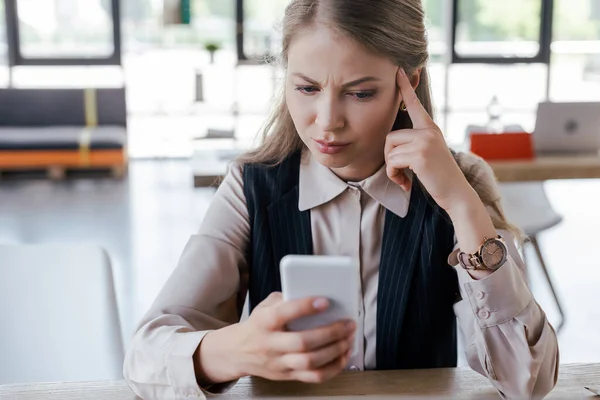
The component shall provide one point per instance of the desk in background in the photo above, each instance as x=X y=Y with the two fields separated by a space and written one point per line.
x=210 y=166
x=547 y=167
x=460 y=383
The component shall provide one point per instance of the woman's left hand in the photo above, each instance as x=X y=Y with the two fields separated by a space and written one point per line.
x=423 y=149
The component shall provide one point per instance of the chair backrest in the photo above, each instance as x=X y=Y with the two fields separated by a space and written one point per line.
x=61 y=107
x=58 y=313
x=527 y=206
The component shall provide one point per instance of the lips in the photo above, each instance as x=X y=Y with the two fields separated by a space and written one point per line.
x=330 y=147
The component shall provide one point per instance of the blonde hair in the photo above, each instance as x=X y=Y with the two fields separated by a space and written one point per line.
x=392 y=28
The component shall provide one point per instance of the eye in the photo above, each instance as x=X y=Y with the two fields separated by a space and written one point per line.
x=307 y=89
x=364 y=95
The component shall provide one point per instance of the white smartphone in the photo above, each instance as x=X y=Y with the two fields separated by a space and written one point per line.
x=333 y=277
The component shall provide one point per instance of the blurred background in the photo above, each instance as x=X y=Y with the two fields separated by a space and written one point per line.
x=162 y=93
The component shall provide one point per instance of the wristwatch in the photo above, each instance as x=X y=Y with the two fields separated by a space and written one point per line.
x=490 y=255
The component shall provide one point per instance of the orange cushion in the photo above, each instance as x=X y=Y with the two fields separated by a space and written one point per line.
x=42 y=159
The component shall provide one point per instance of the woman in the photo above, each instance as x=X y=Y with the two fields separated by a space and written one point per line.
x=351 y=164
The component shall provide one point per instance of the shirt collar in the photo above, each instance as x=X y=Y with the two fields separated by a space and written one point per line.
x=319 y=185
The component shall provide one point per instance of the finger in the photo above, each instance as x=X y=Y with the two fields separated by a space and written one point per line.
x=399 y=177
x=396 y=165
x=393 y=172
x=403 y=156
x=313 y=339
x=417 y=113
x=287 y=311
x=404 y=182
x=318 y=358
x=272 y=299
x=405 y=150
x=399 y=143
x=399 y=138
x=324 y=373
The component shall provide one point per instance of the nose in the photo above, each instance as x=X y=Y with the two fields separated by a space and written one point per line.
x=330 y=114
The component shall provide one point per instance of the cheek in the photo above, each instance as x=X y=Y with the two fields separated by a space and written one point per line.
x=300 y=111
x=372 y=121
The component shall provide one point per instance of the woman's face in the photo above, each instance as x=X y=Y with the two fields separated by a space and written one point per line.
x=343 y=101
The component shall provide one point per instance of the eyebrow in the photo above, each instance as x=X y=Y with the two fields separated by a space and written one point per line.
x=345 y=85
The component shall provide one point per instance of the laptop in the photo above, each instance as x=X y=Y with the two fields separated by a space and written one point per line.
x=567 y=128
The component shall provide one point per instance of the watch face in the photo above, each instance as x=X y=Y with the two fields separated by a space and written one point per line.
x=493 y=254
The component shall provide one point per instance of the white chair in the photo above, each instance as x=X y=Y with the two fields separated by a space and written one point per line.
x=527 y=206
x=59 y=315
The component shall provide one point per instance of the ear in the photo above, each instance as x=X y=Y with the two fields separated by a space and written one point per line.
x=415 y=79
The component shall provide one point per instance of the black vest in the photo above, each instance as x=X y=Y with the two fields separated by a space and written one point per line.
x=416 y=325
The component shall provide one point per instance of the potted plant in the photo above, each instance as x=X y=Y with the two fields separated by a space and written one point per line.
x=212 y=47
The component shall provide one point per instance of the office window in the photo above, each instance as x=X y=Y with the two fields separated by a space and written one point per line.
x=575 y=67
x=4 y=73
x=141 y=24
x=65 y=28
x=161 y=61
x=436 y=22
x=214 y=20
x=576 y=20
x=502 y=31
x=3 y=41
x=262 y=33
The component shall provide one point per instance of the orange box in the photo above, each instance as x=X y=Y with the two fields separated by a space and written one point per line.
x=502 y=146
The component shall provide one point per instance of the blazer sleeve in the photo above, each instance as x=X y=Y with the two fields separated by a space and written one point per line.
x=206 y=291
x=507 y=336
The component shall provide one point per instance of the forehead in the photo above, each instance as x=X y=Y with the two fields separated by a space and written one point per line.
x=321 y=50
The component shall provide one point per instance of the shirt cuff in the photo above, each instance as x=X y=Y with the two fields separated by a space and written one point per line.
x=498 y=297
x=181 y=368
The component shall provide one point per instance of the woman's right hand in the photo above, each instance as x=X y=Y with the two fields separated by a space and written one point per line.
x=267 y=350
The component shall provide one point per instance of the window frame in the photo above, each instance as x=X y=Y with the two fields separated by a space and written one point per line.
x=545 y=40
x=15 y=57
x=239 y=30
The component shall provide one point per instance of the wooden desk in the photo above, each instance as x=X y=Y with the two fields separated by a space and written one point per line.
x=208 y=170
x=440 y=383
x=544 y=168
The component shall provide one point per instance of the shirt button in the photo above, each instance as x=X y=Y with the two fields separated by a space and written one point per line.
x=483 y=314
x=354 y=368
x=479 y=294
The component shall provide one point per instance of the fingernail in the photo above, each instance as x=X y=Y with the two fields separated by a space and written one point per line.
x=321 y=304
x=402 y=72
